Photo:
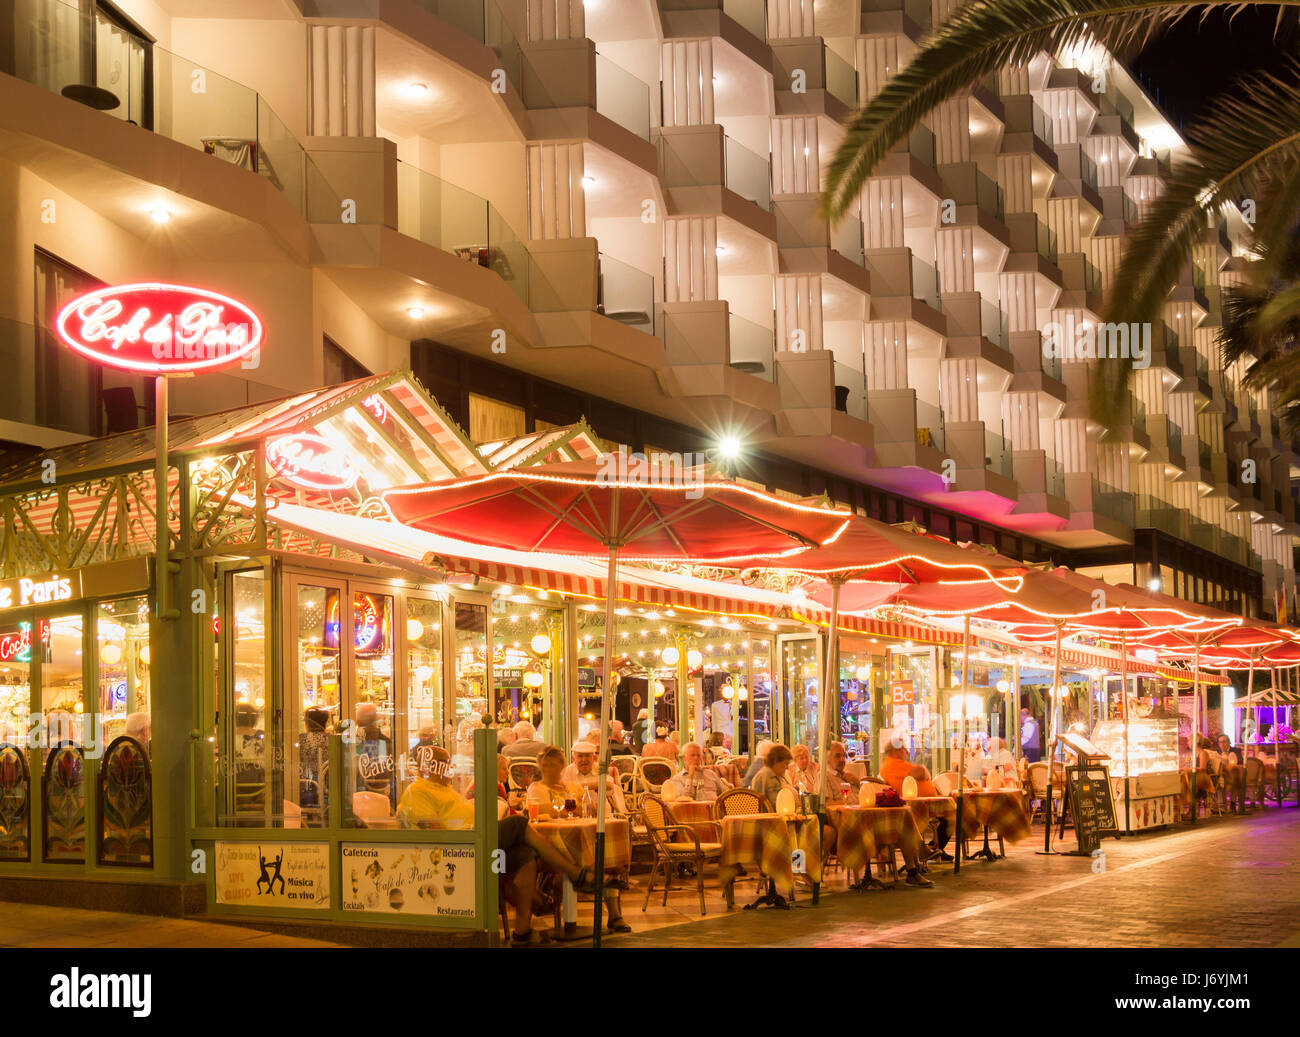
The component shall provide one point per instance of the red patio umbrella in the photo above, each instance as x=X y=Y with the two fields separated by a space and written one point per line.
x=603 y=508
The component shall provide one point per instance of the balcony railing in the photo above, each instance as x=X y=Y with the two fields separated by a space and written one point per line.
x=925 y=283
x=919 y=11
x=929 y=426
x=753 y=347
x=1043 y=127
x=1130 y=209
x=921 y=146
x=1252 y=407
x=626 y=294
x=994 y=325
x=1171 y=342
x=841 y=79
x=1114 y=503
x=752 y=14
x=482 y=20
x=1046 y=241
x=1198 y=278
x=622 y=97
x=846 y=239
x=997 y=455
x=851 y=391
x=1202 y=366
x=748 y=175
x=1204 y=454
x=1091 y=276
x=1088 y=169
x=1055 y=478
x=1137 y=412
x=1232 y=547
x=1156 y=513
x=989 y=195
x=1173 y=435
x=1201 y=533
x=1051 y=365
x=460 y=222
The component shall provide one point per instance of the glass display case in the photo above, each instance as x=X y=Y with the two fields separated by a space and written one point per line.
x=1152 y=770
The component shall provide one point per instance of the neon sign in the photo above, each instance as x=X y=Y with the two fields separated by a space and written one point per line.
x=40 y=591
x=307 y=460
x=16 y=646
x=378 y=409
x=368 y=626
x=159 y=328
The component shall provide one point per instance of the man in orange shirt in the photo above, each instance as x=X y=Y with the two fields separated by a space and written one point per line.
x=894 y=768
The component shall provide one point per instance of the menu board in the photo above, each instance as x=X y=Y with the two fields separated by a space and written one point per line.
x=1091 y=804
x=413 y=880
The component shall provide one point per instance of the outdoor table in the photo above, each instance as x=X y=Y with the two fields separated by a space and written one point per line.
x=864 y=831
x=1001 y=810
x=695 y=814
x=576 y=837
x=768 y=841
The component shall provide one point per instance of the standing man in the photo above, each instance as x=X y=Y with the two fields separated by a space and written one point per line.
x=1030 y=742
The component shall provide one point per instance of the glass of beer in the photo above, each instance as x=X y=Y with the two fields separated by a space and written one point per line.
x=532 y=809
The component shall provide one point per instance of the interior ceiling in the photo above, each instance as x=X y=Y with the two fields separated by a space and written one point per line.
x=743 y=251
x=617 y=187
x=457 y=106
x=609 y=21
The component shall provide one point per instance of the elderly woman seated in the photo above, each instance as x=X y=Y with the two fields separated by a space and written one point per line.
x=803 y=773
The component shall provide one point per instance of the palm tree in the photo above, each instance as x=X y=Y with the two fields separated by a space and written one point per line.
x=1248 y=146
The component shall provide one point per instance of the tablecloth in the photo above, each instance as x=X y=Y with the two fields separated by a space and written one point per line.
x=768 y=841
x=1004 y=811
x=864 y=831
x=577 y=838
x=697 y=814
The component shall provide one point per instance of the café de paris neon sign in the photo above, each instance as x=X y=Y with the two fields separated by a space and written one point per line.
x=160 y=329
x=309 y=461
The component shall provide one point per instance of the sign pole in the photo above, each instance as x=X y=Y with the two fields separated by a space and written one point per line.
x=162 y=566
x=1049 y=743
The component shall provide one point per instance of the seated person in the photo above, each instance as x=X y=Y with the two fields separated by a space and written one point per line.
x=756 y=764
x=617 y=747
x=551 y=790
x=999 y=758
x=840 y=787
x=1231 y=767
x=662 y=747
x=375 y=764
x=896 y=767
x=430 y=801
x=582 y=771
x=714 y=752
x=137 y=727
x=526 y=742
x=771 y=777
x=803 y=773
x=696 y=781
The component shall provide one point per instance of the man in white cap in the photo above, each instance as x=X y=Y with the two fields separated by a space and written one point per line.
x=526 y=742
x=582 y=771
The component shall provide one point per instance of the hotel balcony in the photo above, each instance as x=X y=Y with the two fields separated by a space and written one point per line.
x=829 y=84
x=706 y=173
x=1041 y=482
x=1099 y=513
x=910 y=442
x=1166 y=440
x=824 y=415
x=1077 y=178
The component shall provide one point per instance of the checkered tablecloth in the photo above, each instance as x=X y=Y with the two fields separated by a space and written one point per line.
x=1202 y=785
x=698 y=814
x=577 y=838
x=925 y=807
x=768 y=841
x=864 y=831
x=1004 y=811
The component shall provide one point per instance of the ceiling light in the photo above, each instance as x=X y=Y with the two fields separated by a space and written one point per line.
x=415 y=312
x=161 y=216
x=719 y=250
x=418 y=89
x=589 y=181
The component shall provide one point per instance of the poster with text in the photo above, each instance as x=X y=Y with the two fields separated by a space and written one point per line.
x=412 y=880
x=273 y=875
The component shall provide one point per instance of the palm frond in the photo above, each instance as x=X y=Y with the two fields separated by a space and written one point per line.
x=979 y=38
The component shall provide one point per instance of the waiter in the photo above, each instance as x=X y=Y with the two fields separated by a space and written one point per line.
x=1030 y=743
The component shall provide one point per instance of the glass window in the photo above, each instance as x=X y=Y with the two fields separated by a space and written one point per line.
x=252 y=764
x=799 y=678
x=528 y=676
x=761 y=721
x=860 y=672
x=425 y=723
x=319 y=693
x=122 y=639
x=911 y=698
x=471 y=661
x=374 y=698
x=62 y=706
x=16 y=664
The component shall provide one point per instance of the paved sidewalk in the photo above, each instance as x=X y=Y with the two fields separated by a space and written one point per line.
x=1230 y=882
x=40 y=925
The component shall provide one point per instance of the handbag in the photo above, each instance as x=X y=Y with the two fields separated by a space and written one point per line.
x=887 y=796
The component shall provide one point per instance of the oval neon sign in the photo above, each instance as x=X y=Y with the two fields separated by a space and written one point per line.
x=159 y=328
x=309 y=461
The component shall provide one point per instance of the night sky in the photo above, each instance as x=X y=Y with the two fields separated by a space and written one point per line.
x=1194 y=61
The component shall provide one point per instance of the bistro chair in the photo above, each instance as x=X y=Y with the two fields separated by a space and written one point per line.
x=669 y=854
x=625 y=768
x=856 y=770
x=524 y=771
x=740 y=801
x=945 y=783
x=651 y=774
x=1038 y=790
x=1254 y=780
x=369 y=806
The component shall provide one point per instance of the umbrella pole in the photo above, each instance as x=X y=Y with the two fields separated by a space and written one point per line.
x=832 y=680
x=961 y=746
x=1250 y=690
x=1123 y=699
x=1196 y=732
x=1050 y=743
x=606 y=702
x=1277 y=760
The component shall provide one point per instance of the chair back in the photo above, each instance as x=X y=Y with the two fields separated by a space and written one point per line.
x=945 y=782
x=654 y=772
x=741 y=801
x=524 y=771
x=371 y=804
x=855 y=770
x=1254 y=769
x=654 y=813
x=624 y=764
x=1038 y=778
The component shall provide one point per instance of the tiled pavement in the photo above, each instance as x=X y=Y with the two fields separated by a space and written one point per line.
x=1230 y=882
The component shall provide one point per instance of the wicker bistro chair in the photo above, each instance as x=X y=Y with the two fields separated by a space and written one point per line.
x=668 y=854
x=651 y=774
x=1038 y=790
x=1254 y=781
x=524 y=771
x=740 y=801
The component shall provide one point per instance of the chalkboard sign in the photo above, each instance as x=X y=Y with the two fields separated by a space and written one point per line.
x=1090 y=802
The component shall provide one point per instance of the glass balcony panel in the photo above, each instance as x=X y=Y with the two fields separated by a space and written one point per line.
x=752 y=14
x=989 y=195
x=921 y=145
x=1046 y=241
x=994 y=325
x=748 y=175
x=846 y=239
x=1055 y=478
x=626 y=294
x=930 y=425
x=753 y=347
x=622 y=97
x=1089 y=169
x=925 y=282
x=851 y=391
x=841 y=79
x=997 y=454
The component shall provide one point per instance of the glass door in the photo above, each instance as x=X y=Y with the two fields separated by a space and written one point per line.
x=800 y=681
x=315 y=694
x=122 y=57
x=20 y=647
x=374 y=694
x=473 y=670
